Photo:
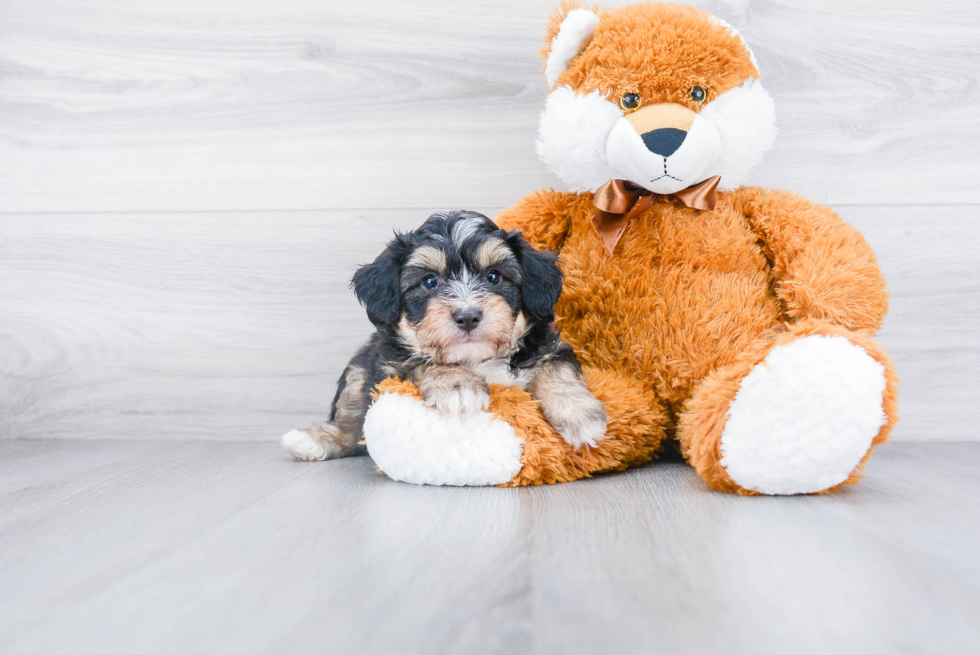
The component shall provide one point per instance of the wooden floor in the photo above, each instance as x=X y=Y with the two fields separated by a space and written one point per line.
x=223 y=547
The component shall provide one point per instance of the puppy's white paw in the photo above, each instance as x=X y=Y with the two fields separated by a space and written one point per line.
x=302 y=445
x=459 y=400
x=587 y=431
x=580 y=423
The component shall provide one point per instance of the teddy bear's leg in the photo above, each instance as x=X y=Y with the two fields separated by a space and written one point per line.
x=798 y=412
x=634 y=433
x=511 y=444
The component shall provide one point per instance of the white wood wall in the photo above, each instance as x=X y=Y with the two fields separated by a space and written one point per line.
x=187 y=185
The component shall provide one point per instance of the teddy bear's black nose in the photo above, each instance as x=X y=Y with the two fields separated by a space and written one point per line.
x=664 y=141
x=467 y=319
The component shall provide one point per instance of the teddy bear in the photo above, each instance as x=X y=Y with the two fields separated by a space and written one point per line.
x=732 y=322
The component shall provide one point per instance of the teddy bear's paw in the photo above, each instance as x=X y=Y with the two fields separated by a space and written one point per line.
x=581 y=421
x=805 y=417
x=460 y=399
x=302 y=445
x=412 y=443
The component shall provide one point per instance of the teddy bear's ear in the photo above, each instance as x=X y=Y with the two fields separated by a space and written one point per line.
x=734 y=32
x=570 y=29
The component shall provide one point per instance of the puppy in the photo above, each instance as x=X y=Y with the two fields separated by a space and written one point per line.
x=458 y=304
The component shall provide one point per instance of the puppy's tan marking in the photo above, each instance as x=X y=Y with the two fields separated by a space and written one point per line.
x=567 y=403
x=517 y=331
x=452 y=389
x=492 y=252
x=340 y=437
x=437 y=330
x=350 y=405
x=498 y=323
x=428 y=257
x=408 y=335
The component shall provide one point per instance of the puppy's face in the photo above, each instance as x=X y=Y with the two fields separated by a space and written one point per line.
x=461 y=294
x=459 y=289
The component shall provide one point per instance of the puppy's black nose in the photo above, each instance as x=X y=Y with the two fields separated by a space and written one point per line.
x=664 y=141
x=467 y=319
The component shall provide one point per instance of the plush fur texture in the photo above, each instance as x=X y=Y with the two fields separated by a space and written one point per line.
x=802 y=420
x=572 y=136
x=702 y=425
x=467 y=449
x=574 y=32
x=689 y=292
x=675 y=329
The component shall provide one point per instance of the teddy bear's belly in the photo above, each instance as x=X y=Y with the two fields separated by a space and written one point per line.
x=666 y=310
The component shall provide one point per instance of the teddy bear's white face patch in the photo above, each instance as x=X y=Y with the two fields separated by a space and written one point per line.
x=572 y=135
x=746 y=122
x=587 y=141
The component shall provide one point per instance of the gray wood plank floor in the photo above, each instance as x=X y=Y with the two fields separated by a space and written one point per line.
x=213 y=547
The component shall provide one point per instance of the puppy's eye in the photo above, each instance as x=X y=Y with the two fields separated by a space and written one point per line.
x=493 y=277
x=430 y=281
x=630 y=102
x=698 y=94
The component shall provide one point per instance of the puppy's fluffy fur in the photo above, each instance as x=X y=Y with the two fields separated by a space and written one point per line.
x=459 y=304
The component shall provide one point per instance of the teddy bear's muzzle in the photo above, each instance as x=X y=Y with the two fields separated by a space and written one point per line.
x=663 y=148
x=662 y=127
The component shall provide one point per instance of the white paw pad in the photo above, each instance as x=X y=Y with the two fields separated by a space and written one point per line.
x=804 y=418
x=302 y=445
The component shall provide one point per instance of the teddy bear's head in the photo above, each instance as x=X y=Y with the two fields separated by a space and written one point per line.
x=664 y=96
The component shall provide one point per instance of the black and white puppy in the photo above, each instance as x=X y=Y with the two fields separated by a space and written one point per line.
x=458 y=304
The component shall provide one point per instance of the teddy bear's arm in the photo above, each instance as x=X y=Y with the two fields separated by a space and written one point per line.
x=823 y=267
x=543 y=217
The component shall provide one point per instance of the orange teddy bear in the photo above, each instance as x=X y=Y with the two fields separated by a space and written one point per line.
x=736 y=320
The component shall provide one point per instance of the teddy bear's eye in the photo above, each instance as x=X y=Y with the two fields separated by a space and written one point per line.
x=630 y=101
x=698 y=94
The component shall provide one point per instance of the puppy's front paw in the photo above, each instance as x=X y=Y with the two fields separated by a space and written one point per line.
x=459 y=399
x=581 y=421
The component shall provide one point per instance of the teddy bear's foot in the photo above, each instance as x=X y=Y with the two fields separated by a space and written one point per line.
x=804 y=418
x=799 y=421
x=412 y=442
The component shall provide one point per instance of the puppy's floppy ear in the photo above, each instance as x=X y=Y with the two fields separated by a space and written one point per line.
x=541 y=279
x=376 y=286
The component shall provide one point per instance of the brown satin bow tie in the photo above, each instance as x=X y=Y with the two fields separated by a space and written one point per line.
x=618 y=201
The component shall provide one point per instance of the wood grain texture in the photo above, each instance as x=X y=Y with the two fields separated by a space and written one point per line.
x=186 y=105
x=186 y=187
x=237 y=325
x=230 y=547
